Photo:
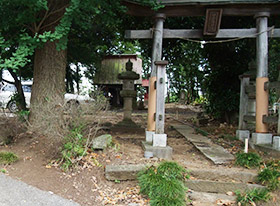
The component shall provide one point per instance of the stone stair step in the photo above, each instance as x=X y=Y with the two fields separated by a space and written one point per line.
x=227 y=175
x=219 y=187
x=123 y=172
x=129 y=172
x=210 y=199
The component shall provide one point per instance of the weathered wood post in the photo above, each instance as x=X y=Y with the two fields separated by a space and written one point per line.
x=159 y=147
x=160 y=103
x=156 y=56
x=261 y=136
x=157 y=43
x=243 y=104
x=243 y=133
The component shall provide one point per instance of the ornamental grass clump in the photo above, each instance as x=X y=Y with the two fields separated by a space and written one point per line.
x=270 y=174
x=250 y=197
x=164 y=185
x=248 y=160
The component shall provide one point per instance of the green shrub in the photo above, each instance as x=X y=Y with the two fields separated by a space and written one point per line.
x=270 y=174
x=248 y=160
x=252 y=196
x=7 y=157
x=164 y=185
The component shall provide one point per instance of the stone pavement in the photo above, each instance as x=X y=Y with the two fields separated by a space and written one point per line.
x=216 y=153
x=16 y=193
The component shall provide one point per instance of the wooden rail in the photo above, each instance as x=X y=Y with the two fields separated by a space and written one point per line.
x=272 y=85
x=266 y=119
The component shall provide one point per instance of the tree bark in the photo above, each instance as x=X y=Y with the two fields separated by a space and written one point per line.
x=48 y=79
x=49 y=67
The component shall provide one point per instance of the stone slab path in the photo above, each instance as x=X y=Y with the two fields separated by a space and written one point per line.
x=215 y=153
x=16 y=193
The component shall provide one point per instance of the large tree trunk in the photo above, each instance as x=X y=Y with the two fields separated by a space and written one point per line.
x=48 y=79
x=49 y=66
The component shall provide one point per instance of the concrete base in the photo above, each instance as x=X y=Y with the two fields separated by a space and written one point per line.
x=242 y=134
x=159 y=140
x=159 y=152
x=149 y=136
x=276 y=142
x=260 y=138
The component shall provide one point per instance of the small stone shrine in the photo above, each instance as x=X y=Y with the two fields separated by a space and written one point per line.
x=128 y=93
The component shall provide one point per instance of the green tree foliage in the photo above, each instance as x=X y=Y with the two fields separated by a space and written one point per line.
x=18 y=39
x=226 y=61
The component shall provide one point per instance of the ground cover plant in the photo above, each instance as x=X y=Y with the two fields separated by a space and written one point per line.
x=270 y=174
x=252 y=196
x=248 y=160
x=7 y=157
x=74 y=148
x=164 y=185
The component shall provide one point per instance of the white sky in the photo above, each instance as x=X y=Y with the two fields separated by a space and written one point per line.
x=7 y=76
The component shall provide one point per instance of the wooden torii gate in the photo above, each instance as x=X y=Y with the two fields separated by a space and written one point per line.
x=213 y=10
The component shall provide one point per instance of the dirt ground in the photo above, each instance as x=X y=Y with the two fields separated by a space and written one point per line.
x=87 y=184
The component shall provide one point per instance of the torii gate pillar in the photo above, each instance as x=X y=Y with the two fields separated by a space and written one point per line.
x=261 y=136
x=156 y=56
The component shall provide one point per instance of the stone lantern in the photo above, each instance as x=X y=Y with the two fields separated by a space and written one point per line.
x=128 y=92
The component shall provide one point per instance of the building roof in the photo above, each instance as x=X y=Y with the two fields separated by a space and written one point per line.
x=198 y=7
x=211 y=2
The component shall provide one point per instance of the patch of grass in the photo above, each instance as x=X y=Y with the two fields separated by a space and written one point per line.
x=248 y=160
x=252 y=196
x=270 y=174
x=8 y=157
x=164 y=185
